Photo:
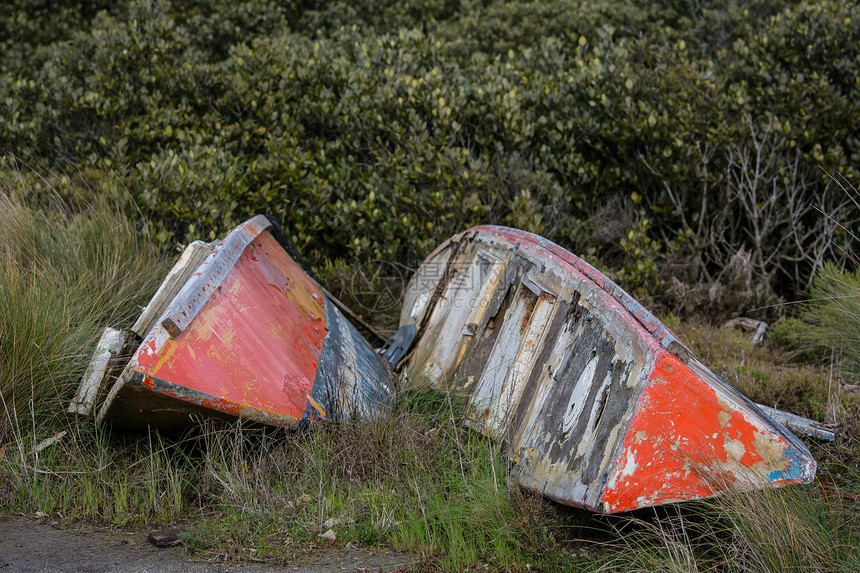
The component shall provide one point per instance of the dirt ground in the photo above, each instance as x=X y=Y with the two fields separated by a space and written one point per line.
x=30 y=545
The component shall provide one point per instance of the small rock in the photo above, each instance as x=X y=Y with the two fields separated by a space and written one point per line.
x=329 y=535
x=331 y=522
x=165 y=538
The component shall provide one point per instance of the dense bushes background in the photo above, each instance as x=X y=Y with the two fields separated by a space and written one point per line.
x=674 y=143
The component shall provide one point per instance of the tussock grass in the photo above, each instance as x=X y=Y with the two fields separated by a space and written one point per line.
x=662 y=541
x=64 y=275
x=788 y=530
x=94 y=476
x=761 y=531
x=418 y=480
x=67 y=269
x=834 y=314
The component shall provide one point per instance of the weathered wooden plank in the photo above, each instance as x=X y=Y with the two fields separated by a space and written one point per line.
x=799 y=424
x=192 y=257
x=250 y=335
x=757 y=327
x=597 y=401
x=507 y=370
x=48 y=442
x=109 y=346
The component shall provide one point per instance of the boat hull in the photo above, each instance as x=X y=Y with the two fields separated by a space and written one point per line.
x=595 y=400
x=251 y=336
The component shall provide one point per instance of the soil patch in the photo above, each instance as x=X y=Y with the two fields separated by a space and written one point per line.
x=28 y=545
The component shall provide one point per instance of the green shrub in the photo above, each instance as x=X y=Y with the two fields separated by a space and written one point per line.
x=375 y=131
x=27 y=25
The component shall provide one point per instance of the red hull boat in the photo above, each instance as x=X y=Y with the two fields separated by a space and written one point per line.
x=248 y=335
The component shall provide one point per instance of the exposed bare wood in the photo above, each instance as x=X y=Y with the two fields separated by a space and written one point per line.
x=801 y=425
x=108 y=347
x=594 y=399
x=757 y=327
x=50 y=441
x=191 y=258
x=249 y=335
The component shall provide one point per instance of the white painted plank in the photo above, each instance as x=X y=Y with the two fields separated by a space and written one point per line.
x=799 y=424
x=108 y=347
x=194 y=254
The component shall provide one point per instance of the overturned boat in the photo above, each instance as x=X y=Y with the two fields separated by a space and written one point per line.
x=596 y=401
x=237 y=330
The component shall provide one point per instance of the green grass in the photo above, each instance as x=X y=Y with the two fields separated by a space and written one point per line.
x=418 y=481
x=101 y=479
x=67 y=270
x=834 y=314
x=791 y=529
x=64 y=275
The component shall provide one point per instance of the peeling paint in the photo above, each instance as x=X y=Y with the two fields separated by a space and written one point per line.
x=598 y=403
x=250 y=335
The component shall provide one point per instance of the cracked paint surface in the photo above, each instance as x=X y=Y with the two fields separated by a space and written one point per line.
x=251 y=335
x=256 y=341
x=595 y=400
x=690 y=439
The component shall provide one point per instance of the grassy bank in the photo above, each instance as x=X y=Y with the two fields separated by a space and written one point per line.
x=418 y=481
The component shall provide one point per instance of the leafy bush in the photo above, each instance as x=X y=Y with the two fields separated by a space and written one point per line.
x=26 y=25
x=375 y=131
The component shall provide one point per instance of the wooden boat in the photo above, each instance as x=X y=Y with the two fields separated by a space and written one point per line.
x=239 y=330
x=596 y=401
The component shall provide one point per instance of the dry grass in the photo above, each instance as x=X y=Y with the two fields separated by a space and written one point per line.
x=418 y=480
x=764 y=373
x=64 y=275
x=762 y=531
